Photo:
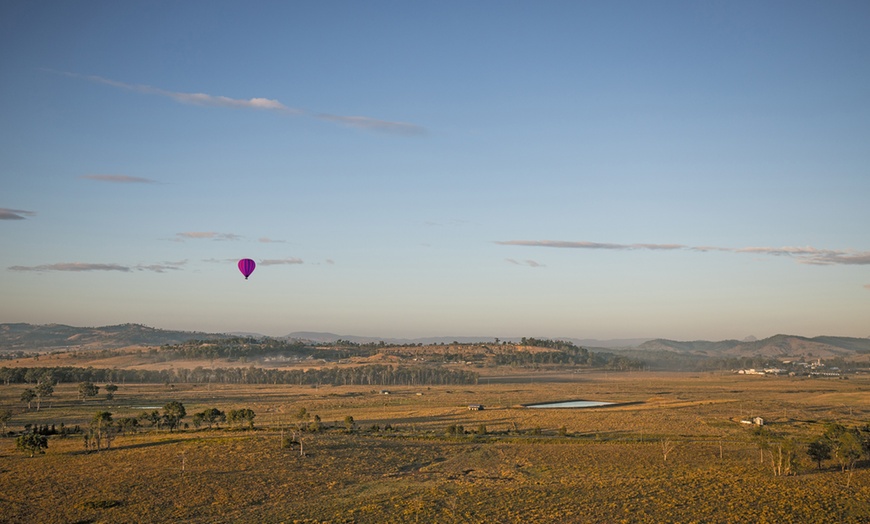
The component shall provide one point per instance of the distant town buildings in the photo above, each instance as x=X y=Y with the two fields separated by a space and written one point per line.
x=812 y=369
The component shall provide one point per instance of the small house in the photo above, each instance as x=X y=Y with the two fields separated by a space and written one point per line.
x=475 y=407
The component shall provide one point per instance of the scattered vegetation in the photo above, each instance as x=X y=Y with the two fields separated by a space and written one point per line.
x=673 y=448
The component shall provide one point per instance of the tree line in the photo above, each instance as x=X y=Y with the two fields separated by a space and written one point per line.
x=372 y=374
x=566 y=354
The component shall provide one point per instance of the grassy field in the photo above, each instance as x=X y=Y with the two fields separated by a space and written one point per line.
x=562 y=465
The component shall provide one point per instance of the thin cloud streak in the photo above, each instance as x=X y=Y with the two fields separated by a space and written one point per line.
x=373 y=124
x=267 y=240
x=204 y=99
x=85 y=266
x=587 y=245
x=803 y=255
x=281 y=261
x=205 y=235
x=119 y=179
x=15 y=214
x=72 y=266
x=199 y=99
x=529 y=263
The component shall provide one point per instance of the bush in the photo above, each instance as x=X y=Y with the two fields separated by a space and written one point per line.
x=32 y=443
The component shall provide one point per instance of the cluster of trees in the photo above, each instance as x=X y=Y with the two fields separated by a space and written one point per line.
x=171 y=417
x=546 y=343
x=234 y=348
x=567 y=354
x=374 y=374
x=51 y=429
x=67 y=374
x=43 y=389
x=88 y=389
x=214 y=417
x=845 y=445
x=32 y=443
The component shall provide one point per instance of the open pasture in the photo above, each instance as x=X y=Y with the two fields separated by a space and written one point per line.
x=560 y=465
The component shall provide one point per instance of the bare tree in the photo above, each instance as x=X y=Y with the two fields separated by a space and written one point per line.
x=667 y=446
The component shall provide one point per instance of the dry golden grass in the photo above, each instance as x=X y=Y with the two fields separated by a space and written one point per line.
x=609 y=468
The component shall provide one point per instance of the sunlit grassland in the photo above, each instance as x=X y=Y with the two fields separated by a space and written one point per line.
x=606 y=465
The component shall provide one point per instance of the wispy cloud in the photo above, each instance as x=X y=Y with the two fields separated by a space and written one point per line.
x=373 y=124
x=867 y=286
x=266 y=104
x=72 y=266
x=267 y=240
x=586 y=245
x=163 y=267
x=803 y=255
x=85 y=266
x=200 y=99
x=15 y=214
x=119 y=179
x=530 y=263
x=205 y=235
x=280 y=261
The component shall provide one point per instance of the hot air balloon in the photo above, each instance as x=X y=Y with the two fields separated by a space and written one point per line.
x=246 y=266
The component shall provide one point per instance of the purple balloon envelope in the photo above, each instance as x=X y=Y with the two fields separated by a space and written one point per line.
x=246 y=266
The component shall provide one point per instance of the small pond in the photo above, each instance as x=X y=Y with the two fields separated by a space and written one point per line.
x=570 y=404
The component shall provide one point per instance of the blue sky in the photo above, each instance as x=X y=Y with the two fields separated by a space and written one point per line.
x=400 y=169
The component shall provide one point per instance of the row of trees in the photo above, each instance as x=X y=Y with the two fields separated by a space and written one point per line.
x=234 y=348
x=568 y=355
x=373 y=374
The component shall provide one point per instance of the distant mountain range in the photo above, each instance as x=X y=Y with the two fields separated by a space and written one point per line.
x=32 y=338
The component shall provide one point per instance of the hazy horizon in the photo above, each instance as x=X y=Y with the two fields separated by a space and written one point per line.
x=598 y=170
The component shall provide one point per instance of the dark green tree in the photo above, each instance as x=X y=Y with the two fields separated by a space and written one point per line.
x=5 y=417
x=88 y=390
x=27 y=397
x=101 y=431
x=173 y=412
x=44 y=389
x=127 y=425
x=211 y=416
x=819 y=450
x=32 y=443
x=242 y=416
x=110 y=391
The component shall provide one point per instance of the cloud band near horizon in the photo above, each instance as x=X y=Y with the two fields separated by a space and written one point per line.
x=85 y=266
x=804 y=255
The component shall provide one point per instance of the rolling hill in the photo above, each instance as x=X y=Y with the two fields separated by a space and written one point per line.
x=49 y=337
x=38 y=338
x=777 y=346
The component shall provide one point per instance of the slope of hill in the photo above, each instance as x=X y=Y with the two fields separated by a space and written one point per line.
x=30 y=337
x=777 y=346
x=328 y=338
